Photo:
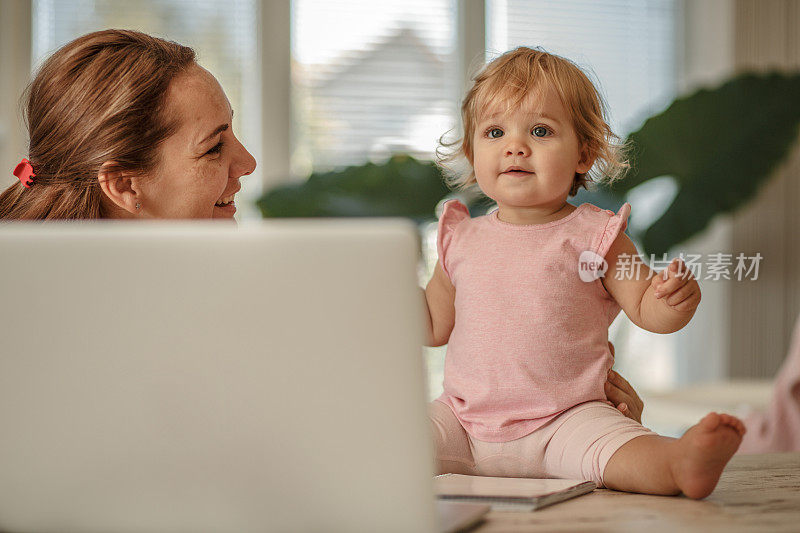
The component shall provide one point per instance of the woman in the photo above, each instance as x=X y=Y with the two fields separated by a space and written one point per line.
x=125 y=125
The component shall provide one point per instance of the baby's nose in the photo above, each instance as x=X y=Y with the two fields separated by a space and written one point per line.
x=517 y=149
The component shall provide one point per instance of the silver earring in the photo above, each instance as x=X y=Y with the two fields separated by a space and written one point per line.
x=138 y=205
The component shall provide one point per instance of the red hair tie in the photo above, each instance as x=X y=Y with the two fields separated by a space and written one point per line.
x=24 y=171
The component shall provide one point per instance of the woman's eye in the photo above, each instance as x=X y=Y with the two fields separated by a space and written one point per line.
x=539 y=131
x=494 y=133
x=217 y=149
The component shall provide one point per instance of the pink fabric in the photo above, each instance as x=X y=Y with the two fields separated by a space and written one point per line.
x=778 y=429
x=576 y=444
x=530 y=338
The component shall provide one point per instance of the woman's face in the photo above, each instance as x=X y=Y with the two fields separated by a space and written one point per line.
x=201 y=163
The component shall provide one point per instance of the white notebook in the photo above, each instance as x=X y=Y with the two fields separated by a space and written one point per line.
x=509 y=493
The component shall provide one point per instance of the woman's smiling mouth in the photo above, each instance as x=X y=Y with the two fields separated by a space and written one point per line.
x=222 y=202
x=227 y=204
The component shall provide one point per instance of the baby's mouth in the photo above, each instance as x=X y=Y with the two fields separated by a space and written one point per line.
x=517 y=171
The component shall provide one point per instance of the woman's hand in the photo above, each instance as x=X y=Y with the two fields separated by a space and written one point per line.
x=620 y=393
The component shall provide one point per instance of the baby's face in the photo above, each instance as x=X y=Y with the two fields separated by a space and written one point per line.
x=527 y=156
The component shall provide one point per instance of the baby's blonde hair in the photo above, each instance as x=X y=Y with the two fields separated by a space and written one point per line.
x=507 y=81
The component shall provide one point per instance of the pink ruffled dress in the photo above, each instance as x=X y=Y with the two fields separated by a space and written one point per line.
x=530 y=338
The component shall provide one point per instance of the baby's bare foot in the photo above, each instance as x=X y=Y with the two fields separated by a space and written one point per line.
x=703 y=452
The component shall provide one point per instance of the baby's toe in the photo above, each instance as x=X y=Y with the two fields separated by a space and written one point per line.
x=710 y=422
x=733 y=422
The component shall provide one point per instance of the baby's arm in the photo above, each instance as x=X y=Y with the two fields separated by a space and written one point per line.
x=440 y=310
x=650 y=301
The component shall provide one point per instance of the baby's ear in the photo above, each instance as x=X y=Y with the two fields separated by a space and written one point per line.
x=586 y=161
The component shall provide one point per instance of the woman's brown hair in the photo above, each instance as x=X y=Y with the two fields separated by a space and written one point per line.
x=98 y=98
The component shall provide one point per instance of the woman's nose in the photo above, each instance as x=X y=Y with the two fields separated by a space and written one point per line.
x=244 y=163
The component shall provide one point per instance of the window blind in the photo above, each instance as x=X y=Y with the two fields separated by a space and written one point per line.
x=371 y=79
x=630 y=47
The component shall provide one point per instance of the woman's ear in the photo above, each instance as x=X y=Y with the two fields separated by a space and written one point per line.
x=586 y=161
x=121 y=188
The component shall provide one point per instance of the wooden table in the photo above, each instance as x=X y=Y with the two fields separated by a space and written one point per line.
x=756 y=493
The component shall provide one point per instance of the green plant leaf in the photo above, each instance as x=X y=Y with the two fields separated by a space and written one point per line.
x=401 y=187
x=720 y=145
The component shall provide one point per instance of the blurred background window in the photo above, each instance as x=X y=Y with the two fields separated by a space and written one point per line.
x=223 y=34
x=370 y=79
x=628 y=47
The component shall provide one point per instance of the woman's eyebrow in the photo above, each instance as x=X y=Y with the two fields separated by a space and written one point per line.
x=217 y=130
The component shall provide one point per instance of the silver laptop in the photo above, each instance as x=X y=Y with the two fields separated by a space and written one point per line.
x=199 y=377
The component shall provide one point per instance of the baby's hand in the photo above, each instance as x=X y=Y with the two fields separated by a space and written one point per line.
x=677 y=287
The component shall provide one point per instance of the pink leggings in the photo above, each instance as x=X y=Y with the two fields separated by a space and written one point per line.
x=577 y=444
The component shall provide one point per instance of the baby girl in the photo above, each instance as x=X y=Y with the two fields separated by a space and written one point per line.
x=526 y=328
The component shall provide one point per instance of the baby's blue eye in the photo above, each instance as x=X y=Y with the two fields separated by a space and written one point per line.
x=494 y=133
x=539 y=131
